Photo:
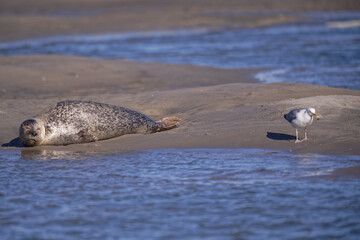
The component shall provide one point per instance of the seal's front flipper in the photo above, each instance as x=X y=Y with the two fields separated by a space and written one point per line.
x=85 y=136
x=167 y=123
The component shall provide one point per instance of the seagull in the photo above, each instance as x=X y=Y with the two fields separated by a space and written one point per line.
x=301 y=118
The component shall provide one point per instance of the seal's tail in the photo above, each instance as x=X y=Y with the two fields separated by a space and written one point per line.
x=167 y=123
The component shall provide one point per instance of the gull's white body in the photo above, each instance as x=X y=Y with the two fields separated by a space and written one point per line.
x=301 y=118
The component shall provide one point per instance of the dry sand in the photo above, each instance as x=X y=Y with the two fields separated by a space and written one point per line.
x=219 y=108
x=232 y=113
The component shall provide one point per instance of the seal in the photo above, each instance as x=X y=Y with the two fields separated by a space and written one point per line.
x=85 y=121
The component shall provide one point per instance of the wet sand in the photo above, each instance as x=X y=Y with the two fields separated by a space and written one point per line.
x=219 y=108
x=22 y=19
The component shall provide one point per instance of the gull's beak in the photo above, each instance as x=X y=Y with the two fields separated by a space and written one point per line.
x=317 y=116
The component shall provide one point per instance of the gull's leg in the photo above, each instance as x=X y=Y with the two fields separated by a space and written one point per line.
x=297 y=136
x=305 y=136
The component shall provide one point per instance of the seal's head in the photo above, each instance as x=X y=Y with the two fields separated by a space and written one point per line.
x=32 y=132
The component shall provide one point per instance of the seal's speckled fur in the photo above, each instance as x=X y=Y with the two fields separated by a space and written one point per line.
x=82 y=121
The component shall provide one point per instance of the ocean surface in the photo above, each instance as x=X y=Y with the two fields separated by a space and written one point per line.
x=323 y=49
x=177 y=194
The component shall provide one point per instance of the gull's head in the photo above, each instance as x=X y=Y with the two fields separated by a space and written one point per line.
x=32 y=132
x=312 y=112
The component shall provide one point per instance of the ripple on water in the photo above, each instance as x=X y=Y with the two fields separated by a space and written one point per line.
x=178 y=194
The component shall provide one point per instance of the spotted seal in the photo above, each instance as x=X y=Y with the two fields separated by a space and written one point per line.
x=85 y=121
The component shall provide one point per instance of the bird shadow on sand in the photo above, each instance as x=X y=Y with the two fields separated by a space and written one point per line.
x=280 y=136
x=14 y=143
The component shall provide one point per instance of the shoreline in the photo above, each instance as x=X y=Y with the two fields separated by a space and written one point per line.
x=219 y=108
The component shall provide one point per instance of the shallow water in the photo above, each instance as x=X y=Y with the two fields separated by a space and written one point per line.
x=177 y=194
x=324 y=49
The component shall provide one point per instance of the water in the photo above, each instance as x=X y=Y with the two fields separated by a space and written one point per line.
x=323 y=50
x=177 y=194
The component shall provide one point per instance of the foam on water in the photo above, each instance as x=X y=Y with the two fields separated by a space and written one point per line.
x=177 y=194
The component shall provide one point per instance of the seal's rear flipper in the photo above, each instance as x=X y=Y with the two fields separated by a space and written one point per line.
x=167 y=123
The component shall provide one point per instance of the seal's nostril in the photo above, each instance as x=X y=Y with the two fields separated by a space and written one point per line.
x=34 y=134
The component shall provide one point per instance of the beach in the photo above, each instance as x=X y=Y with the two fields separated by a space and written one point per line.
x=218 y=108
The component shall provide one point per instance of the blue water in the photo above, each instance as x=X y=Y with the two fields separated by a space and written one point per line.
x=312 y=51
x=177 y=194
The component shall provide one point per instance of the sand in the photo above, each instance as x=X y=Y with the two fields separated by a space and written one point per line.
x=24 y=19
x=218 y=108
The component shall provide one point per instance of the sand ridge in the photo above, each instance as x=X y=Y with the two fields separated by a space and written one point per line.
x=228 y=115
x=40 y=18
x=219 y=108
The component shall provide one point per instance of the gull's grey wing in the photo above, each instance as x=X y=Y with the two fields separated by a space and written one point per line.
x=291 y=115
